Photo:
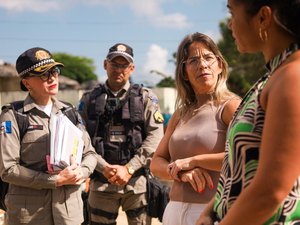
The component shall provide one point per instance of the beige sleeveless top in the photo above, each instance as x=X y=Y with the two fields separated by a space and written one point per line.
x=202 y=133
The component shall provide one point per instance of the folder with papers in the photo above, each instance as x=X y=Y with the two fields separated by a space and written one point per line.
x=65 y=141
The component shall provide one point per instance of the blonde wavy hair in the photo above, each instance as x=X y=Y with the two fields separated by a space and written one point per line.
x=186 y=97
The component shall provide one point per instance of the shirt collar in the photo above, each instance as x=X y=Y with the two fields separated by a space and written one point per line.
x=120 y=92
x=29 y=104
x=275 y=62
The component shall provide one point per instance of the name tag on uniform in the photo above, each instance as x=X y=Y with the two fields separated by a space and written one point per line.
x=35 y=127
x=117 y=134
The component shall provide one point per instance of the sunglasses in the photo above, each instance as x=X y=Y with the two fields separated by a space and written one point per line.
x=118 y=65
x=47 y=75
x=194 y=62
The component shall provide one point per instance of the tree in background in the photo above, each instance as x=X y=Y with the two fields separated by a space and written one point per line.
x=81 y=69
x=244 y=69
x=166 y=82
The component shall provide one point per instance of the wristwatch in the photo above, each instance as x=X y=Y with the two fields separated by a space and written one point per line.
x=130 y=169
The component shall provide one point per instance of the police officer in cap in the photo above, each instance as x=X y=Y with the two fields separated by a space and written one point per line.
x=125 y=124
x=37 y=194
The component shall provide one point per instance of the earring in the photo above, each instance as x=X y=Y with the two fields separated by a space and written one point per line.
x=263 y=36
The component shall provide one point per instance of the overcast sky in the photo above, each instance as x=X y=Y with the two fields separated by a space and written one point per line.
x=88 y=28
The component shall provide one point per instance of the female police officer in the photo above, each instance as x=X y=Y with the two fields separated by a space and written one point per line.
x=35 y=195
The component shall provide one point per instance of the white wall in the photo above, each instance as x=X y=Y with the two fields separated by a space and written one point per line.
x=166 y=99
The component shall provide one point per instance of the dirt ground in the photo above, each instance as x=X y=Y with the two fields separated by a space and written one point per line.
x=1 y=217
x=121 y=220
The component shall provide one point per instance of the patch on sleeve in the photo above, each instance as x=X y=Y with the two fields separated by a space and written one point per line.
x=80 y=106
x=153 y=99
x=158 y=117
x=5 y=127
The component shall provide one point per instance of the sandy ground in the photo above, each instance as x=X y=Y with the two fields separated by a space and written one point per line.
x=121 y=220
x=1 y=217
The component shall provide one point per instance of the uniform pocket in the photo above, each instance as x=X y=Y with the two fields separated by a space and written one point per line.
x=34 y=146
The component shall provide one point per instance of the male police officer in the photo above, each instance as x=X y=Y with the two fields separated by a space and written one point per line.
x=125 y=124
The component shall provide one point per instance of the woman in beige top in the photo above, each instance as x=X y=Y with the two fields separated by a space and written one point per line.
x=192 y=149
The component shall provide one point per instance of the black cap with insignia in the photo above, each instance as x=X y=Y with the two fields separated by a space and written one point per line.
x=35 y=61
x=120 y=49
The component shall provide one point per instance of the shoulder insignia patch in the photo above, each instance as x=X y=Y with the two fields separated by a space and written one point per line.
x=158 y=117
x=153 y=99
x=5 y=127
x=80 y=106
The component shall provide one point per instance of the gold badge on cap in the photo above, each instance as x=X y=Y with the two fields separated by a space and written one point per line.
x=41 y=54
x=121 y=48
x=158 y=117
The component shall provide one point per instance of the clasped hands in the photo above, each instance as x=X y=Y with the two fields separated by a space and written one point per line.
x=117 y=174
x=182 y=170
x=71 y=175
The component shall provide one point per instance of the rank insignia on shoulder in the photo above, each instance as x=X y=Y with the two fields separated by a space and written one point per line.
x=5 y=127
x=158 y=117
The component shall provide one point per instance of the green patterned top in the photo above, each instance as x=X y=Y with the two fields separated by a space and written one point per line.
x=242 y=153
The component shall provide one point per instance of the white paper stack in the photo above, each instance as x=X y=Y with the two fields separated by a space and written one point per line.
x=66 y=140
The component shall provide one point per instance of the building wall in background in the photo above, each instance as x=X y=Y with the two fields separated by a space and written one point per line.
x=71 y=96
x=166 y=97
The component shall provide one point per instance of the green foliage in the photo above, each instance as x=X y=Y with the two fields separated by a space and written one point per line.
x=244 y=69
x=166 y=82
x=77 y=68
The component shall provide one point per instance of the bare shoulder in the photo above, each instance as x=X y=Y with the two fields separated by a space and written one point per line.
x=285 y=80
x=232 y=104
x=229 y=109
x=174 y=120
x=283 y=85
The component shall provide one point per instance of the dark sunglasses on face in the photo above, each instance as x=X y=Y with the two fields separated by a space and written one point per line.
x=47 y=75
x=118 y=65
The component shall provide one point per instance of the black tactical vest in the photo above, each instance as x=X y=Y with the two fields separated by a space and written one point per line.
x=105 y=112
